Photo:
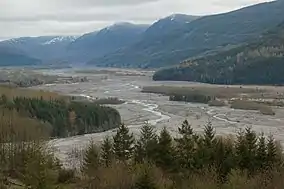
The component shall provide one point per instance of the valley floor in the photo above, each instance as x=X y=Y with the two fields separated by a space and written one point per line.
x=157 y=109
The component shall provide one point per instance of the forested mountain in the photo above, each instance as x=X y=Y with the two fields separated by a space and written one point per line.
x=14 y=57
x=192 y=38
x=107 y=40
x=259 y=62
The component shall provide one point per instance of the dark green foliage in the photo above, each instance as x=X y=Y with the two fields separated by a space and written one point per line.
x=88 y=117
x=106 y=152
x=195 y=97
x=145 y=181
x=165 y=150
x=271 y=152
x=146 y=145
x=261 y=153
x=91 y=159
x=66 y=175
x=123 y=144
x=186 y=146
x=259 y=62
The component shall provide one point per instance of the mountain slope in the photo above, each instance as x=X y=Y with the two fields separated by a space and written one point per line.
x=46 y=48
x=105 y=41
x=259 y=62
x=198 y=36
x=14 y=57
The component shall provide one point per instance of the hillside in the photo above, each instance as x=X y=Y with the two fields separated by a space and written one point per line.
x=14 y=57
x=194 y=37
x=45 y=48
x=259 y=62
x=107 y=40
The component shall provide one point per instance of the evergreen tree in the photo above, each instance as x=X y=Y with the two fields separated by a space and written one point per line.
x=145 y=181
x=209 y=136
x=165 y=152
x=241 y=151
x=224 y=158
x=145 y=147
x=185 y=146
x=261 y=153
x=209 y=142
x=106 y=152
x=251 y=146
x=271 y=152
x=91 y=159
x=123 y=144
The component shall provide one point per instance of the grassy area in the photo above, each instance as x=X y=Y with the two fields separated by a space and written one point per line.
x=217 y=103
x=210 y=90
x=250 y=105
x=12 y=91
x=109 y=101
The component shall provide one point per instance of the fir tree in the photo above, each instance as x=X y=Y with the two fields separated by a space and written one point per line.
x=106 y=152
x=146 y=146
x=123 y=144
x=261 y=153
x=209 y=142
x=145 y=181
x=271 y=152
x=209 y=136
x=91 y=159
x=251 y=146
x=165 y=152
x=185 y=146
x=241 y=151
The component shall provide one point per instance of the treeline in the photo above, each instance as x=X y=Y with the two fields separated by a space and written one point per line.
x=66 y=118
x=194 y=97
x=152 y=161
x=260 y=62
x=186 y=161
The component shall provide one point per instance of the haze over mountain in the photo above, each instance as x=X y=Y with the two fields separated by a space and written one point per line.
x=196 y=37
x=165 y=43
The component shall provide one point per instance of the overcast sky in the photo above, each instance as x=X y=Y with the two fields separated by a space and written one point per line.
x=74 y=17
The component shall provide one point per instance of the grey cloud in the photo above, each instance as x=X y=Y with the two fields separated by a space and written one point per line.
x=64 y=17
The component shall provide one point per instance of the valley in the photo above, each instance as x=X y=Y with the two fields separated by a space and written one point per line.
x=157 y=109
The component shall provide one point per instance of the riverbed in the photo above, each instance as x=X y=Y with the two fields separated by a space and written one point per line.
x=156 y=109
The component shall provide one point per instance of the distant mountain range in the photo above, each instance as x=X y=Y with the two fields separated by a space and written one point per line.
x=259 y=62
x=167 y=42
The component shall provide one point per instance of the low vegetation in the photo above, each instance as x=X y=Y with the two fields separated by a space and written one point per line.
x=65 y=117
x=251 y=105
x=109 y=101
x=29 y=77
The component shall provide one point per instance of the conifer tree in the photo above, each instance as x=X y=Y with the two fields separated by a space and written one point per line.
x=106 y=152
x=91 y=159
x=145 y=181
x=271 y=152
x=251 y=146
x=123 y=144
x=165 y=152
x=261 y=153
x=208 y=144
x=145 y=147
x=209 y=136
x=185 y=146
x=241 y=150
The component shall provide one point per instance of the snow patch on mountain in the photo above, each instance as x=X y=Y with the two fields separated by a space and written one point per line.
x=60 y=39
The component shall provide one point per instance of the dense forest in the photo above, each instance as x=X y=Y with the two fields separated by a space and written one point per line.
x=65 y=118
x=259 y=62
x=151 y=161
